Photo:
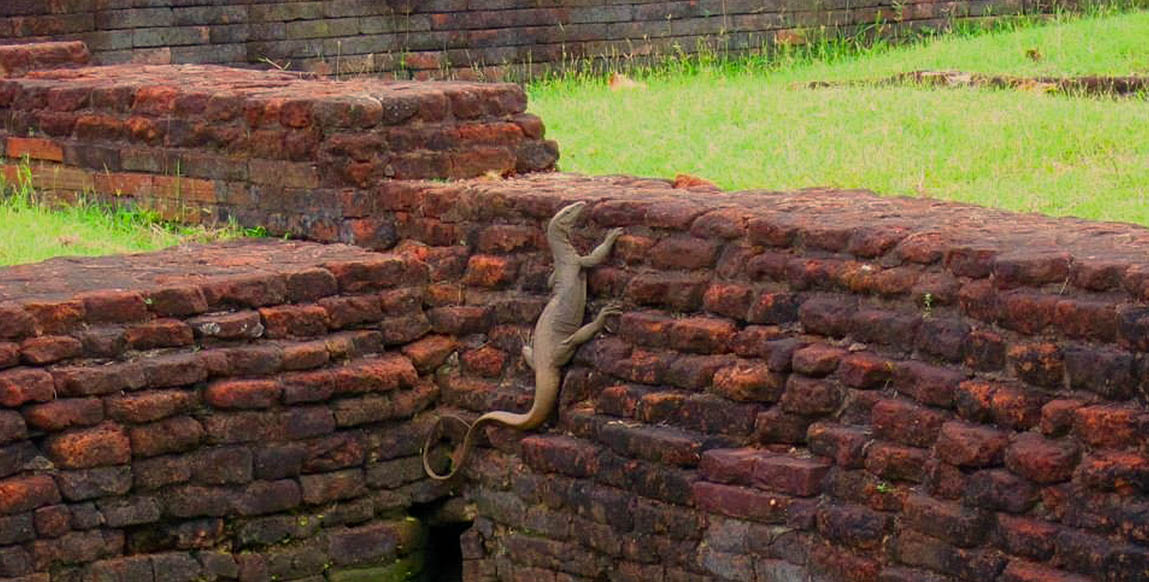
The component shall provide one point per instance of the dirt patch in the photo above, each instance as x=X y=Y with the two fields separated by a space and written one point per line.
x=1089 y=85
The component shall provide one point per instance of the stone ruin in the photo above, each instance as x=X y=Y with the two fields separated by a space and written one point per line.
x=818 y=385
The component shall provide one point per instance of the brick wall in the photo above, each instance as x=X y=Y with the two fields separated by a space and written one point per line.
x=203 y=143
x=453 y=37
x=822 y=385
x=235 y=411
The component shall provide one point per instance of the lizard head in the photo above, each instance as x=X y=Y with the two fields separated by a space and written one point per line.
x=564 y=220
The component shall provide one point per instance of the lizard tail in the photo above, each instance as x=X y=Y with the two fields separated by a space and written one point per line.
x=524 y=421
x=458 y=457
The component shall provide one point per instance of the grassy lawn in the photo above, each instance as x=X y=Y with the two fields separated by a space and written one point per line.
x=32 y=232
x=757 y=127
x=752 y=124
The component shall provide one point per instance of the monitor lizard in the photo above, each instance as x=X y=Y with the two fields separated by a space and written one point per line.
x=558 y=332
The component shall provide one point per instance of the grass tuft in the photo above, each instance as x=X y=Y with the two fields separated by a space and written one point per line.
x=33 y=231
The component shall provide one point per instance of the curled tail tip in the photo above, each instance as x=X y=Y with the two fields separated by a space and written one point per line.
x=457 y=463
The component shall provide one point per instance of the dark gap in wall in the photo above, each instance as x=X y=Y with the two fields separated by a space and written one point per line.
x=446 y=520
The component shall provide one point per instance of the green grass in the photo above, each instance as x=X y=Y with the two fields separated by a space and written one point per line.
x=751 y=124
x=33 y=232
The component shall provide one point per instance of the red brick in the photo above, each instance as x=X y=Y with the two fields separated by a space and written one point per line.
x=177 y=369
x=20 y=494
x=620 y=400
x=1022 y=571
x=684 y=252
x=729 y=465
x=968 y=445
x=1108 y=426
x=459 y=320
x=106 y=444
x=35 y=148
x=430 y=352
x=9 y=354
x=727 y=299
x=679 y=291
x=327 y=487
x=905 y=422
x=927 y=384
x=381 y=374
x=12 y=428
x=52 y=521
x=1124 y=472
x=506 y=238
x=645 y=327
x=47 y=349
x=61 y=414
x=1000 y=490
x=810 y=396
x=952 y=522
x=1032 y=538
x=749 y=381
x=1038 y=364
x=896 y=462
x=561 y=454
x=817 y=360
x=486 y=361
x=778 y=426
x=91 y=380
x=55 y=317
x=1057 y=416
x=844 y=445
x=171 y=435
x=305 y=355
x=150 y=405
x=741 y=502
x=243 y=393
x=114 y=306
x=1042 y=460
x=21 y=385
x=653 y=443
x=853 y=526
x=234 y=325
x=311 y=386
x=15 y=322
x=490 y=271
x=865 y=370
x=163 y=333
x=984 y=351
x=797 y=476
x=701 y=335
x=1016 y=407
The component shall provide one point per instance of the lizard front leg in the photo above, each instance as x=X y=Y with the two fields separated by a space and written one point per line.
x=599 y=254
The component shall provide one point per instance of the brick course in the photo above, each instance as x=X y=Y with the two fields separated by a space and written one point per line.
x=458 y=39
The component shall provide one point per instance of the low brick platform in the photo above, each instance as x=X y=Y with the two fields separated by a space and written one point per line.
x=18 y=59
x=819 y=384
x=212 y=412
x=199 y=142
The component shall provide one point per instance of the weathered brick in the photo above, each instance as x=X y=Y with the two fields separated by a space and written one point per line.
x=171 y=435
x=105 y=444
x=927 y=384
x=243 y=393
x=21 y=385
x=1041 y=460
x=61 y=414
x=20 y=494
x=905 y=422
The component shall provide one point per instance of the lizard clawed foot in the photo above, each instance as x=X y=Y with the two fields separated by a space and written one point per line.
x=612 y=308
x=614 y=233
